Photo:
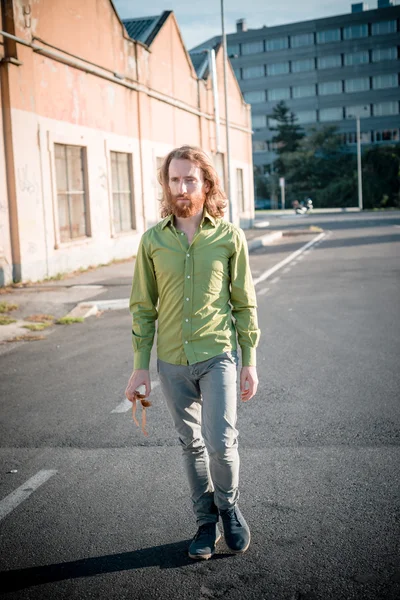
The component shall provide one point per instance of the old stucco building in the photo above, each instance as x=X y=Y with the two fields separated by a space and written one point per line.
x=88 y=112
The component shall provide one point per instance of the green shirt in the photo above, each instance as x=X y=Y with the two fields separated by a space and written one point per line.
x=193 y=291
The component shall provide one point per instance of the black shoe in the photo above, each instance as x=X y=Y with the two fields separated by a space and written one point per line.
x=203 y=543
x=236 y=530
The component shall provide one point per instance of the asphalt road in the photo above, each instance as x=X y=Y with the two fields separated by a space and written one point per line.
x=320 y=482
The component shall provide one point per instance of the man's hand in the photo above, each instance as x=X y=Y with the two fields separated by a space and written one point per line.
x=248 y=382
x=138 y=378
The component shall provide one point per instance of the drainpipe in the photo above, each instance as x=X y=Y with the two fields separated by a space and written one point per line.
x=213 y=70
x=10 y=57
x=138 y=99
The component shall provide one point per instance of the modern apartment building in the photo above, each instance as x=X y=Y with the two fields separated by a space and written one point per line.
x=328 y=71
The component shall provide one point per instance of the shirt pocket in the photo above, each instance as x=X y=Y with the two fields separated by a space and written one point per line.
x=212 y=275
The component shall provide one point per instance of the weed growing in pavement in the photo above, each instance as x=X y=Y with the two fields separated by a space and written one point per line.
x=55 y=277
x=37 y=326
x=6 y=307
x=6 y=320
x=69 y=320
x=40 y=318
x=27 y=338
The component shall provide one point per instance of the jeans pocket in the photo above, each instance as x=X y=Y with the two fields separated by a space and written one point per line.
x=233 y=357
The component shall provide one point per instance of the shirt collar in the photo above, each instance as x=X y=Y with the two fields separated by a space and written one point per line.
x=170 y=219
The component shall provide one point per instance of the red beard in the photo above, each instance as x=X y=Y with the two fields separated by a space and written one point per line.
x=193 y=205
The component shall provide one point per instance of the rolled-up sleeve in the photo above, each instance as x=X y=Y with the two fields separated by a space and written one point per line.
x=143 y=307
x=244 y=302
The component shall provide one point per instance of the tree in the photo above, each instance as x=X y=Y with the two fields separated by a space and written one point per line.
x=321 y=169
x=289 y=133
x=381 y=177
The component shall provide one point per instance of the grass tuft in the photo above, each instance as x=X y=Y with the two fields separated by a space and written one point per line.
x=6 y=307
x=6 y=320
x=37 y=326
x=27 y=338
x=40 y=318
x=69 y=320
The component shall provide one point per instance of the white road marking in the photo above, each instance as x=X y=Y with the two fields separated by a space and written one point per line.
x=126 y=404
x=275 y=280
x=23 y=492
x=262 y=292
x=288 y=259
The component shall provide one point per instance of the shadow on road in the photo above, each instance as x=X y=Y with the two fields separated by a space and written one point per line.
x=167 y=556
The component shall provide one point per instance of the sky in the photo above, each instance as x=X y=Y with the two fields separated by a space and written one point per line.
x=197 y=26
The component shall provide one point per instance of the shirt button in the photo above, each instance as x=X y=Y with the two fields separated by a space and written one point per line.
x=187 y=299
x=182 y=234
x=186 y=342
x=188 y=276
x=187 y=320
x=187 y=254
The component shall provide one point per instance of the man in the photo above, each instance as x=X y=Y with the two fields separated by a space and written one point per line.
x=192 y=275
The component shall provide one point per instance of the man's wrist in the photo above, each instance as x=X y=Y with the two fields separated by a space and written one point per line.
x=141 y=361
x=249 y=356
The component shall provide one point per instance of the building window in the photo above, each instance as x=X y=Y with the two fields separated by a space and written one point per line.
x=306 y=64
x=355 y=31
x=272 y=146
x=258 y=121
x=356 y=58
x=277 y=44
x=330 y=87
x=384 y=54
x=388 y=135
x=278 y=68
x=272 y=123
x=384 y=27
x=259 y=146
x=255 y=96
x=351 y=137
x=303 y=91
x=306 y=116
x=71 y=192
x=233 y=50
x=359 y=110
x=329 y=35
x=252 y=48
x=380 y=82
x=329 y=62
x=303 y=39
x=121 y=192
x=253 y=72
x=361 y=84
x=382 y=109
x=237 y=73
x=278 y=94
x=240 y=190
x=330 y=114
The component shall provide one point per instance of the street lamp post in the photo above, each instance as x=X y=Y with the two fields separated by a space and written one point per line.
x=228 y=149
x=359 y=170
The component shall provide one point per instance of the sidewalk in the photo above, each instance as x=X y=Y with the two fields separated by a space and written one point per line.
x=79 y=295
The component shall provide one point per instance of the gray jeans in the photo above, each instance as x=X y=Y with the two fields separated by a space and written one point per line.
x=202 y=401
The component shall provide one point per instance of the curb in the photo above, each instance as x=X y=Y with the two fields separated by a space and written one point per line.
x=89 y=309
x=264 y=240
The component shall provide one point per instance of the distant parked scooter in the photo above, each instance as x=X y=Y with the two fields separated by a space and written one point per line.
x=300 y=209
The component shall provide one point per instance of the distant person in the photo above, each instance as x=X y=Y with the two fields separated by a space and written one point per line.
x=192 y=274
